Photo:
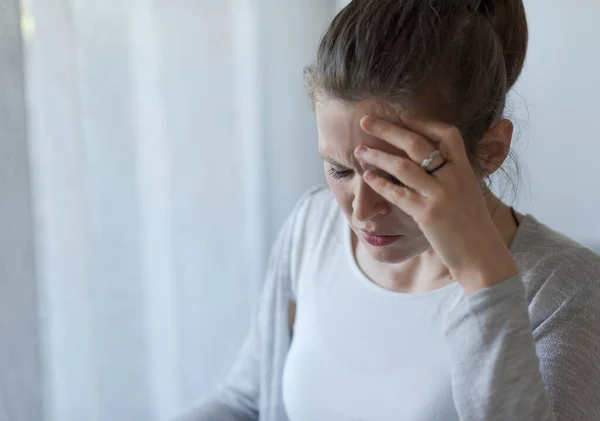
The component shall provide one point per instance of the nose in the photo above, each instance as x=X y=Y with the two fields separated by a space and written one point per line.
x=367 y=203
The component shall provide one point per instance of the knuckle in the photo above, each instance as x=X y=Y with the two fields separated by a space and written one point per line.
x=451 y=132
x=401 y=165
x=436 y=194
x=399 y=191
x=413 y=142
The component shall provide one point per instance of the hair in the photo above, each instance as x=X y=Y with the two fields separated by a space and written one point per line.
x=455 y=59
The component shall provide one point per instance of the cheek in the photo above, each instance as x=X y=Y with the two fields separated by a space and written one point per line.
x=343 y=194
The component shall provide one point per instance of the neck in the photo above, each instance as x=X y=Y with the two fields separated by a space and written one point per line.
x=425 y=272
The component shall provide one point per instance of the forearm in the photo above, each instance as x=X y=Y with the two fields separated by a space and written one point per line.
x=494 y=366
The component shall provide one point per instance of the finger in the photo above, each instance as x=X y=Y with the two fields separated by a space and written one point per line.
x=406 y=199
x=438 y=167
x=414 y=144
x=448 y=136
x=403 y=169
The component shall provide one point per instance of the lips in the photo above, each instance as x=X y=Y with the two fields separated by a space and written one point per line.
x=379 y=240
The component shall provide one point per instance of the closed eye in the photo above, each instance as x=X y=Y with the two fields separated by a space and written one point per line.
x=337 y=174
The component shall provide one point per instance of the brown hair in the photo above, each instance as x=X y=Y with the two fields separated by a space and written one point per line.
x=456 y=59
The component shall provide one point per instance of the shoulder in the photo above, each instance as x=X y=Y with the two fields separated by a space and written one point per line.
x=557 y=271
x=316 y=208
x=313 y=224
x=312 y=206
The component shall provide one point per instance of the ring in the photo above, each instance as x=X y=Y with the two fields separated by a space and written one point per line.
x=427 y=161
x=439 y=167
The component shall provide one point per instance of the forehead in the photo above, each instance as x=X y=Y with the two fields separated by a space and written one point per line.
x=338 y=125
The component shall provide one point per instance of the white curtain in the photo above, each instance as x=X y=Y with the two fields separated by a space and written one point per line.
x=20 y=395
x=169 y=139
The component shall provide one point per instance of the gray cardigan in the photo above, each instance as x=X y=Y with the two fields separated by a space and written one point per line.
x=526 y=349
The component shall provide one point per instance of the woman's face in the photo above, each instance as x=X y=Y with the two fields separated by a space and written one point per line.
x=367 y=212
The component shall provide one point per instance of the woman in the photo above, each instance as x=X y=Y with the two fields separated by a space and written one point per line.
x=410 y=290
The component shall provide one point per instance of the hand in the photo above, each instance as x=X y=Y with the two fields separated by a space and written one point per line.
x=448 y=205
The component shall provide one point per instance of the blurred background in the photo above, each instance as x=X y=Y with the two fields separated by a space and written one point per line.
x=149 y=152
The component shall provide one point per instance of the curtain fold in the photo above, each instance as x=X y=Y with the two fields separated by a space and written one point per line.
x=169 y=140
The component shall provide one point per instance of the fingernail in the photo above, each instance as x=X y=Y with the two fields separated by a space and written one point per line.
x=361 y=150
x=368 y=120
x=369 y=175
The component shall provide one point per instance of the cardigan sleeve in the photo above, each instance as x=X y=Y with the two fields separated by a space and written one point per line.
x=500 y=372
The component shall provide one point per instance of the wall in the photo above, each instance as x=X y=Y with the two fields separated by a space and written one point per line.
x=557 y=107
x=20 y=370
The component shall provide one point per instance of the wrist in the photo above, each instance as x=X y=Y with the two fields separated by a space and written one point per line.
x=486 y=275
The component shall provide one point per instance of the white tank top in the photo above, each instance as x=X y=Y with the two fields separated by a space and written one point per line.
x=360 y=352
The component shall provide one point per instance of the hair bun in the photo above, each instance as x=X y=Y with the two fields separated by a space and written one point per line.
x=508 y=19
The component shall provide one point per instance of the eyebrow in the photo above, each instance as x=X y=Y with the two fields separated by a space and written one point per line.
x=333 y=161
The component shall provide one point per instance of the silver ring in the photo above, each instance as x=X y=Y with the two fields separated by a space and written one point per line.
x=439 y=167
x=427 y=161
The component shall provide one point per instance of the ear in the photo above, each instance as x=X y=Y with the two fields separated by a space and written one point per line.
x=495 y=146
